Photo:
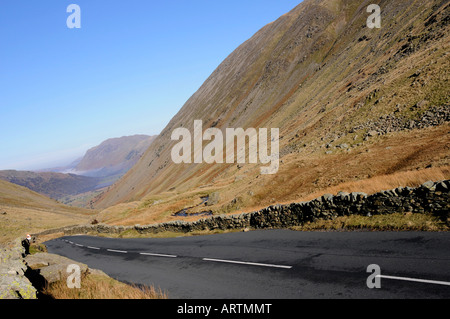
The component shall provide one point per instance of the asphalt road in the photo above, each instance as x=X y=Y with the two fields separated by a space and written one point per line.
x=274 y=264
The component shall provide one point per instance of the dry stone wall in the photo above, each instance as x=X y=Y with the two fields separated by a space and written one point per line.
x=13 y=282
x=431 y=197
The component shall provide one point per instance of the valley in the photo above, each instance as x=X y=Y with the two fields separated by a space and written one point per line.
x=78 y=183
x=23 y=211
x=316 y=132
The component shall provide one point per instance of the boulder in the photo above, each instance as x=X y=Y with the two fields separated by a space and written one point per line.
x=52 y=267
x=343 y=195
x=327 y=198
x=429 y=185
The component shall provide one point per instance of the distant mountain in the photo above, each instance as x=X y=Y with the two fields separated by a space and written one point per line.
x=113 y=157
x=99 y=168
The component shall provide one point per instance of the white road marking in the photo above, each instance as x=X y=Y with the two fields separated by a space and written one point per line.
x=158 y=255
x=247 y=263
x=118 y=251
x=435 y=282
x=205 y=259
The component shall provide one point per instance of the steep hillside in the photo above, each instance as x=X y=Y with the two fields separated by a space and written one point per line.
x=114 y=156
x=23 y=211
x=351 y=103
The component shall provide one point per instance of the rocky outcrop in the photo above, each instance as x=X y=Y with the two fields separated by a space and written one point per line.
x=50 y=267
x=431 y=197
x=23 y=277
x=13 y=282
x=434 y=116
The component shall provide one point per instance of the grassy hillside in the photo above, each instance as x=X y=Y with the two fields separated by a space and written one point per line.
x=353 y=104
x=23 y=211
x=54 y=185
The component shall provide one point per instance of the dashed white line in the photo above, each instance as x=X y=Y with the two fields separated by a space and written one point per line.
x=158 y=255
x=118 y=251
x=247 y=263
x=205 y=259
x=416 y=280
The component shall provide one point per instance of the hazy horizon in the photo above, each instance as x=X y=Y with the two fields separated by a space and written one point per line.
x=128 y=70
x=58 y=159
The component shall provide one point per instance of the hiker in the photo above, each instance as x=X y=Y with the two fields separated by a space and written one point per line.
x=26 y=244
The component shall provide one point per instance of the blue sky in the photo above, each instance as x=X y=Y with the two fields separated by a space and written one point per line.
x=128 y=70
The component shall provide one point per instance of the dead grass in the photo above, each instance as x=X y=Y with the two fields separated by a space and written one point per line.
x=37 y=248
x=159 y=213
x=307 y=175
x=392 y=222
x=387 y=182
x=382 y=163
x=371 y=185
x=95 y=286
x=17 y=222
x=23 y=211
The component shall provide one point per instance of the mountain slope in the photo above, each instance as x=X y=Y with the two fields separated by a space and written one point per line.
x=53 y=185
x=337 y=90
x=114 y=156
x=18 y=196
x=23 y=211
